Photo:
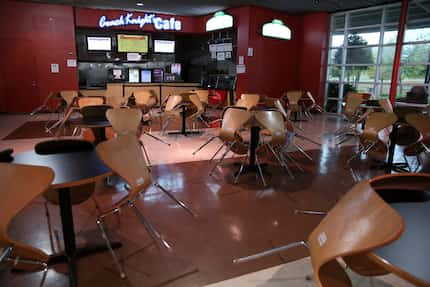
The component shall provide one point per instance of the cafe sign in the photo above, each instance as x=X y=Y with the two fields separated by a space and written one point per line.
x=128 y=19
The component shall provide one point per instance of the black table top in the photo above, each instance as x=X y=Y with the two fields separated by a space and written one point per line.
x=71 y=169
x=411 y=252
x=90 y=123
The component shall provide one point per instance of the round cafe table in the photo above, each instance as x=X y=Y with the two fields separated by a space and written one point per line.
x=409 y=256
x=71 y=169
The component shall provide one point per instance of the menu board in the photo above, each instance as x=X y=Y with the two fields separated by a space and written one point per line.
x=132 y=43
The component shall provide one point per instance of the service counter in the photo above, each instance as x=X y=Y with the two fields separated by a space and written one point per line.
x=160 y=90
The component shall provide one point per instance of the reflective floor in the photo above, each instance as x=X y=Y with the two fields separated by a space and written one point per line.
x=234 y=219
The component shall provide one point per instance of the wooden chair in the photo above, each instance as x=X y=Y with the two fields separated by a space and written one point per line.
x=293 y=133
x=144 y=100
x=370 y=140
x=20 y=184
x=90 y=101
x=359 y=222
x=197 y=115
x=123 y=156
x=248 y=101
x=203 y=96
x=293 y=98
x=69 y=98
x=313 y=106
x=126 y=121
x=351 y=115
x=421 y=123
x=273 y=121
x=171 y=110
x=233 y=119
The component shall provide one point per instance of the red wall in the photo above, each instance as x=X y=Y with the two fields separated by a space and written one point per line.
x=40 y=35
x=47 y=32
x=313 y=57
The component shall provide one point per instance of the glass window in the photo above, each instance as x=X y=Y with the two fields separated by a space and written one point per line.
x=417 y=34
x=392 y=14
x=335 y=56
x=387 y=55
x=361 y=55
x=371 y=35
x=337 y=40
x=385 y=73
x=365 y=18
x=390 y=35
x=333 y=73
x=364 y=37
x=414 y=73
x=338 y=22
x=416 y=53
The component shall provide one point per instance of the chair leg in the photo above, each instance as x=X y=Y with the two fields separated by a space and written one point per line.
x=287 y=168
x=112 y=252
x=166 y=124
x=203 y=120
x=48 y=219
x=218 y=150
x=203 y=145
x=156 y=138
x=181 y=203
x=221 y=159
x=269 y=252
x=307 y=139
x=302 y=151
x=281 y=162
x=151 y=230
x=260 y=171
x=309 y=212
x=146 y=154
x=236 y=179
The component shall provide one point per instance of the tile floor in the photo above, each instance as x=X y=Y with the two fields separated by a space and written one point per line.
x=234 y=220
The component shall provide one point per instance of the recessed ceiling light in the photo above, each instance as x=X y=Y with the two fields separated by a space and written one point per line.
x=139 y=4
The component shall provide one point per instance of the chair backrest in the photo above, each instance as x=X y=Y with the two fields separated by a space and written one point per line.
x=233 y=119
x=294 y=97
x=90 y=101
x=288 y=125
x=172 y=102
x=97 y=113
x=144 y=98
x=123 y=155
x=310 y=97
x=21 y=184
x=353 y=102
x=386 y=105
x=359 y=222
x=375 y=122
x=195 y=99
x=62 y=146
x=274 y=122
x=248 y=101
x=124 y=120
x=419 y=121
x=203 y=95
x=69 y=96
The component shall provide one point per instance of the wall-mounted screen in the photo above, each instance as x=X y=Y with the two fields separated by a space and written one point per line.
x=132 y=43
x=145 y=76
x=99 y=43
x=164 y=46
x=133 y=75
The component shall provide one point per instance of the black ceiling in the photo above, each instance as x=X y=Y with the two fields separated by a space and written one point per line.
x=202 y=7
